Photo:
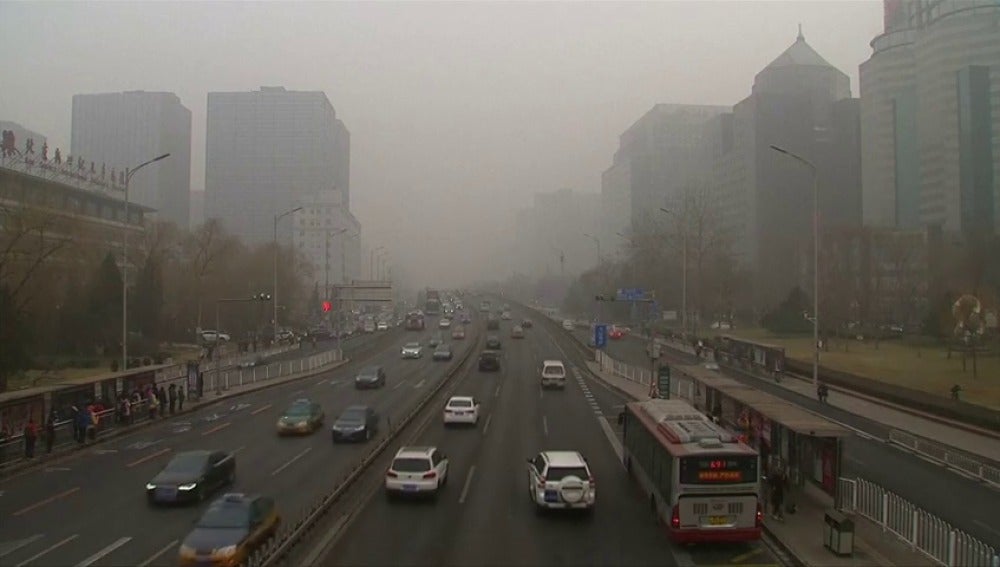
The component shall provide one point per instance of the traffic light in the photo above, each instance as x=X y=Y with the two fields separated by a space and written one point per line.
x=327 y=306
x=262 y=297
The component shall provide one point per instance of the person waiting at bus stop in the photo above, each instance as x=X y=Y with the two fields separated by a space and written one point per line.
x=778 y=482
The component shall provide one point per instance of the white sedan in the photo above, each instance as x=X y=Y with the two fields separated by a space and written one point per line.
x=444 y=323
x=461 y=409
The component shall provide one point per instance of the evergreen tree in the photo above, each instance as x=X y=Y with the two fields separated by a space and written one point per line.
x=148 y=299
x=14 y=339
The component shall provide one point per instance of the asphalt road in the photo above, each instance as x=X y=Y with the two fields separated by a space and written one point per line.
x=484 y=516
x=91 y=508
x=959 y=500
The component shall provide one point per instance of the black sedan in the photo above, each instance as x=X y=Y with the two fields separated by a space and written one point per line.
x=371 y=377
x=191 y=476
x=357 y=423
x=493 y=342
x=489 y=361
x=443 y=352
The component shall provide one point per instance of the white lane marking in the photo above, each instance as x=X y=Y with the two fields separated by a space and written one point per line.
x=19 y=544
x=398 y=386
x=419 y=384
x=468 y=481
x=321 y=382
x=48 y=549
x=496 y=394
x=107 y=550
x=983 y=525
x=545 y=426
x=486 y=427
x=157 y=555
x=616 y=445
x=290 y=461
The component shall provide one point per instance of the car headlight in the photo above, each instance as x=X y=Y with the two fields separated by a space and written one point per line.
x=186 y=551
x=189 y=486
x=150 y=486
x=226 y=551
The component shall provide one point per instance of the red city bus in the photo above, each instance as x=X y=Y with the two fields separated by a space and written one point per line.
x=702 y=481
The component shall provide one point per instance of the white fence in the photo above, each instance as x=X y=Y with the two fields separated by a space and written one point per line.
x=923 y=531
x=235 y=377
x=681 y=386
x=236 y=359
x=947 y=456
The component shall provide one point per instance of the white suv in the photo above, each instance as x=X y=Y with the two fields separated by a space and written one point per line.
x=561 y=479
x=553 y=374
x=568 y=325
x=461 y=409
x=417 y=470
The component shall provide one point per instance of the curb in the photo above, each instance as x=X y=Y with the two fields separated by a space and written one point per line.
x=23 y=465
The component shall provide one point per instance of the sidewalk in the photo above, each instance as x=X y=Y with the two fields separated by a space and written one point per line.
x=801 y=534
x=67 y=448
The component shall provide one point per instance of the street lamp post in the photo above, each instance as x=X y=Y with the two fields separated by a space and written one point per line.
x=815 y=179
x=128 y=177
x=684 y=270
x=274 y=289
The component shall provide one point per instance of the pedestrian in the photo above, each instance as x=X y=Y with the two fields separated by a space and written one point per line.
x=50 y=431
x=778 y=494
x=127 y=410
x=79 y=425
x=172 y=395
x=162 y=395
x=30 y=437
x=180 y=398
x=153 y=404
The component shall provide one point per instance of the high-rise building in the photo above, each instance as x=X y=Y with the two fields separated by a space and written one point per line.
x=550 y=235
x=123 y=130
x=266 y=151
x=930 y=117
x=327 y=236
x=658 y=158
x=764 y=200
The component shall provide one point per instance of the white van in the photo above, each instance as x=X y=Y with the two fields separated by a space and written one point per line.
x=553 y=374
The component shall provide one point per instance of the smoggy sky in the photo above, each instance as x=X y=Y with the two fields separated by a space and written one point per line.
x=458 y=112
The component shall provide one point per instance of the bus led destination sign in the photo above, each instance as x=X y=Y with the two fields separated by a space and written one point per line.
x=719 y=470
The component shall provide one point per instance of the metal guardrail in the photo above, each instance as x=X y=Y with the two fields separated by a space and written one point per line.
x=12 y=450
x=947 y=456
x=923 y=531
x=278 y=547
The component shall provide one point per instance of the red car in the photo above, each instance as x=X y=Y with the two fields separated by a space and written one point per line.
x=616 y=333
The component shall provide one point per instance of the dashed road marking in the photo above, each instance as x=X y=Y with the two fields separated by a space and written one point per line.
x=140 y=445
x=15 y=545
x=261 y=409
x=219 y=427
x=398 y=386
x=486 y=427
x=47 y=550
x=545 y=425
x=419 y=384
x=290 y=461
x=158 y=554
x=468 y=482
x=106 y=551
x=148 y=457
x=496 y=394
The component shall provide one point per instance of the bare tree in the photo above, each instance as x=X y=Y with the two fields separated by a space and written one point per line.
x=204 y=247
x=29 y=241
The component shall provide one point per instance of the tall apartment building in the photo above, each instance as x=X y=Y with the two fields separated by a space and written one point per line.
x=328 y=237
x=764 y=199
x=930 y=117
x=266 y=151
x=659 y=156
x=123 y=130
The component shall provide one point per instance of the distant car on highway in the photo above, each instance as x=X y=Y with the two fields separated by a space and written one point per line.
x=303 y=416
x=357 y=423
x=506 y=316
x=415 y=471
x=444 y=323
x=436 y=339
x=370 y=377
x=553 y=374
x=517 y=332
x=461 y=409
x=412 y=350
x=458 y=333
x=493 y=342
x=489 y=361
x=211 y=335
x=383 y=326
x=561 y=480
x=191 y=476
x=466 y=319
x=230 y=530
x=442 y=352
x=527 y=324
x=568 y=325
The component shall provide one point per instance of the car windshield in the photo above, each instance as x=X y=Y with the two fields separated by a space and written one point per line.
x=298 y=410
x=556 y=474
x=219 y=517
x=460 y=403
x=412 y=345
x=411 y=465
x=186 y=463
x=371 y=371
x=353 y=415
x=554 y=371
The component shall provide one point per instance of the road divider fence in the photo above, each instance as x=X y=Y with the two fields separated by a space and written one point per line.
x=916 y=527
x=947 y=456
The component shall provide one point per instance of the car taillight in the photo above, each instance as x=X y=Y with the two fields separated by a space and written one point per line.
x=760 y=515
x=675 y=517
x=432 y=474
x=391 y=474
x=593 y=482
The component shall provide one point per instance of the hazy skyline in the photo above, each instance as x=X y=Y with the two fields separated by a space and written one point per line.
x=458 y=112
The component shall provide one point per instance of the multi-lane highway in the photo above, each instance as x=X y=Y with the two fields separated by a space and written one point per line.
x=961 y=501
x=90 y=509
x=484 y=516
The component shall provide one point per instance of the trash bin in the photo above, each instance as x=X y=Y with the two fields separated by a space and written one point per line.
x=838 y=533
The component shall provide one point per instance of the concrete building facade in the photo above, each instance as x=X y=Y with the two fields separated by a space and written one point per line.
x=930 y=106
x=549 y=236
x=122 y=130
x=327 y=237
x=266 y=152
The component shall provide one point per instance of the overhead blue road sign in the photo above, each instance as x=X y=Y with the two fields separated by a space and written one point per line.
x=600 y=336
x=631 y=294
